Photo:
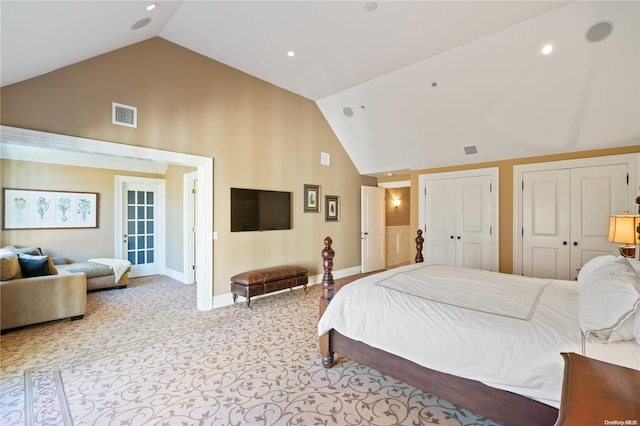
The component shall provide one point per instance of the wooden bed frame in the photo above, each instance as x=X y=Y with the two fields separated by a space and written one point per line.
x=498 y=405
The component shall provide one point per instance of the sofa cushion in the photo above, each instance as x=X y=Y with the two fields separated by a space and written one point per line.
x=9 y=265
x=34 y=251
x=35 y=266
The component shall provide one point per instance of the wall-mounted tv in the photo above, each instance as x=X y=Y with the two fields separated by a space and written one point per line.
x=259 y=210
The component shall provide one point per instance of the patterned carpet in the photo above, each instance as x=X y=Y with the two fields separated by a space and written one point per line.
x=145 y=355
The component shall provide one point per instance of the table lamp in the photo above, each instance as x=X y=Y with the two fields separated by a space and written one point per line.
x=624 y=229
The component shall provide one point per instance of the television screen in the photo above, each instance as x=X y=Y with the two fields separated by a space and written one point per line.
x=258 y=210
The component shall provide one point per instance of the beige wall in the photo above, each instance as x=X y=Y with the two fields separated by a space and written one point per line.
x=175 y=215
x=258 y=135
x=506 y=191
x=75 y=244
x=400 y=215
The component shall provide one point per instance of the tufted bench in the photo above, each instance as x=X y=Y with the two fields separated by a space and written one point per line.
x=268 y=280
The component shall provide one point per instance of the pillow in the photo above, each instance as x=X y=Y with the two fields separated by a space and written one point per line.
x=608 y=299
x=635 y=264
x=34 y=251
x=594 y=264
x=35 y=266
x=9 y=265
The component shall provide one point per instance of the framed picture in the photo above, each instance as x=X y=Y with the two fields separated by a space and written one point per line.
x=311 y=197
x=31 y=209
x=331 y=208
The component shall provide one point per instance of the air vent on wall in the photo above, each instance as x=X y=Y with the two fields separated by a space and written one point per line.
x=470 y=149
x=124 y=115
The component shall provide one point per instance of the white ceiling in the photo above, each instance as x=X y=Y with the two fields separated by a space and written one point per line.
x=494 y=88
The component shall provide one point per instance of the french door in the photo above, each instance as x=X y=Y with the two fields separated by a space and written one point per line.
x=141 y=227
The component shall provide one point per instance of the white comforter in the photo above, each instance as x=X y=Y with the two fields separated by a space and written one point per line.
x=503 y=330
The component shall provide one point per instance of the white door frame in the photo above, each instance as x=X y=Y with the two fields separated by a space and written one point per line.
x=633 y=161
x=160 y=257
x=495 y=203
x=204 y=165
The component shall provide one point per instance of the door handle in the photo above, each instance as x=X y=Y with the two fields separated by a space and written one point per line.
x=459 y=237
x=451 y=237
x=575 y=243
x=564 y=243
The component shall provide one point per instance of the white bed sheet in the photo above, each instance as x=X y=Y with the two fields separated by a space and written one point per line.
x=519 y=352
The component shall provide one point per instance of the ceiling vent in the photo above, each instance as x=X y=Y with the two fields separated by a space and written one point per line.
x=124 y=115
x=470 y=149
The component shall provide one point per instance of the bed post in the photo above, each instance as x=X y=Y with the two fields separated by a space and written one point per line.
x=419 y=241
x=325 y=299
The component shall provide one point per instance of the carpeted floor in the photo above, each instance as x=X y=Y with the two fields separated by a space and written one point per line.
x=145 y=355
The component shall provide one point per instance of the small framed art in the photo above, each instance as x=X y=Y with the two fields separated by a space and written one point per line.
x=311 y=197
x=331 y=208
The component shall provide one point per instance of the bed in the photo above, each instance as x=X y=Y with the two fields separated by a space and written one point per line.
x=495 y=350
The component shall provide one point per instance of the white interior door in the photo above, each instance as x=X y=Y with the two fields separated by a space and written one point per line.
x=545 y=224
x=440 y=219
x=474 y=223
x=458 y=222
x=596 y=193
x=565 y=217
x=372 y=232
x=190 y=241
x=142 y=227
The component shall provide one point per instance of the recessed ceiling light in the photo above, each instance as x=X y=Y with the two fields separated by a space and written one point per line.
x=291 y=53
x=151 y=6
x=548 y=48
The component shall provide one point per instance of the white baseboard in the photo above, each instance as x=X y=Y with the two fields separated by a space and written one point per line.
x=176 y=275
x=227 y=298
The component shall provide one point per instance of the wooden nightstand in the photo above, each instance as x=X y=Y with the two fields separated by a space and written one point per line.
x=598 y=393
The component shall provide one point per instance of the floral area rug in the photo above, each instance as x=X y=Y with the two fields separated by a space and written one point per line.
x=145 y=356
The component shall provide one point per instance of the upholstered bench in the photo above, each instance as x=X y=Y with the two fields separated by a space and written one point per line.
x=268 y=280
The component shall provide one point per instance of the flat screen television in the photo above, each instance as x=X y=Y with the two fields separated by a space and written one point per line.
x=259 y=210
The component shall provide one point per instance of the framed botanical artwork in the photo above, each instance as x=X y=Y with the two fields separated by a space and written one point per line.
x=311 y=198
x=331 y=208
x=31 y=209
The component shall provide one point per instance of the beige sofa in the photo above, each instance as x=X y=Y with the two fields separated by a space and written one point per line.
x=44 y=297
x=99 y=276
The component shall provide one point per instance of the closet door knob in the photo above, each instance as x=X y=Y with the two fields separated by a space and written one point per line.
x=575 y=243
x=564 y=243
x=451 y=237
x=459 y=237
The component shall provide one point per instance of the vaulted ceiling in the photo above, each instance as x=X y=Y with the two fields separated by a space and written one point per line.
x=404 y=84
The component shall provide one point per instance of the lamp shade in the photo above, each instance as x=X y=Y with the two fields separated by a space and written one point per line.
x=624 y=228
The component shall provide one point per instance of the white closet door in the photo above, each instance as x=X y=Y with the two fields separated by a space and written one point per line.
x=596 y=193
x=440 y=220
x=458 y=218
x=473 y=222
x=565 y=217
x=546 y=224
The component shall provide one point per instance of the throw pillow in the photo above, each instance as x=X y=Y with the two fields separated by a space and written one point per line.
x=34 y=251
x=34 y=266
x=9 y=265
